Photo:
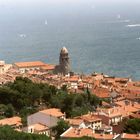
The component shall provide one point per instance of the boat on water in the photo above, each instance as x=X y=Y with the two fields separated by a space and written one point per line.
x=22 y=35
x=46 y=22
x=119 y=16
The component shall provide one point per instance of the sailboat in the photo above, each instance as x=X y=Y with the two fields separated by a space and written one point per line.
x=46 y=22
x=118 y=16
x=22 y=35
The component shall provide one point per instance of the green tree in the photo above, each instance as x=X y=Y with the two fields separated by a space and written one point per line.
x=61 y=127
x=9 y=112
x=79 y=100
x=64 y=88
x=7 y=133
x=67 y=105
x=132 y=126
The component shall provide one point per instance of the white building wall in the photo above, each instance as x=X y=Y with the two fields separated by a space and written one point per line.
x=94 y=125
x=23 y=70
x=5 y=68
x=115 y=120
x=31 y=129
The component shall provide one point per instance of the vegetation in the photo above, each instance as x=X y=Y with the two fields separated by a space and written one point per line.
x=61 y=127
x=25 y=97
x=132 y=126
x=7 y=133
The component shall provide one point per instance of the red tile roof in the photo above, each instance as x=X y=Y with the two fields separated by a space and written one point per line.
x=78 y=133
x=29 y=64
x=48 y=67
x=101 y=92
x=11 y=121
x=89 y=118
x=75 y=121
x=53 y=112
x=39 y=127
x=126 y=136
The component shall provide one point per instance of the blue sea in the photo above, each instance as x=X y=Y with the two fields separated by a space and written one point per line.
x=99 y=38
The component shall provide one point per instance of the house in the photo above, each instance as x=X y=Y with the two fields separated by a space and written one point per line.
x=76 y=123
x=79 y=133
x=134 y=116
x=38 y=128
x=14 y=122
x=91 y=121
x=114 y=115
x=101 y=92
x=48 y=68
x=26 y=66
x=126 y=136
x=4 y=67
x=45 y=118
x=72 y=81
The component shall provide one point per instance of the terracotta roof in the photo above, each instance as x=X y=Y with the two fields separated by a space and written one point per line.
x=135 y=115
x=78 y=133
x=118 y=111
x=39 y=127
x=53 y=112
x=122 y=103
x=89 y=118
x=101 y=92
x=48 y=67
x=130 y=136
x=11 y=121
x=75 y=121
x=29 y=64
x=72 y=79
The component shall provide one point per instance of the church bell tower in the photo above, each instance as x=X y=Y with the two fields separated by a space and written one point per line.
x=64 y=62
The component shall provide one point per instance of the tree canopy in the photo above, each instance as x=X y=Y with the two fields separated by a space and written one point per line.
x=132 y=126
x=7 y=133
x=25 y=97
x=61 y=127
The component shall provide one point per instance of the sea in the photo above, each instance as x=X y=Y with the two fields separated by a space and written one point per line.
x=103 y=38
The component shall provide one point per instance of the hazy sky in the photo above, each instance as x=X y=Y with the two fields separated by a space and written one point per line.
x=27 y=6
x=26 y=2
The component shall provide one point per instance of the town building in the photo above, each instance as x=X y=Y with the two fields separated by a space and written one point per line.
x=4 y=67
x=43 y=121
x=126 y=136
x=48 y=68
x=14 y=122
x=38 y=128
x=115 y=114
x=27 y=66
x=79 y=133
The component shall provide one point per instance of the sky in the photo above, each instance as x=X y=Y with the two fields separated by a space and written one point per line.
x=36 y=2
x=62 y=6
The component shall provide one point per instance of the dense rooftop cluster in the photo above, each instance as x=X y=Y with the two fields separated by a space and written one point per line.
x=68 y=106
